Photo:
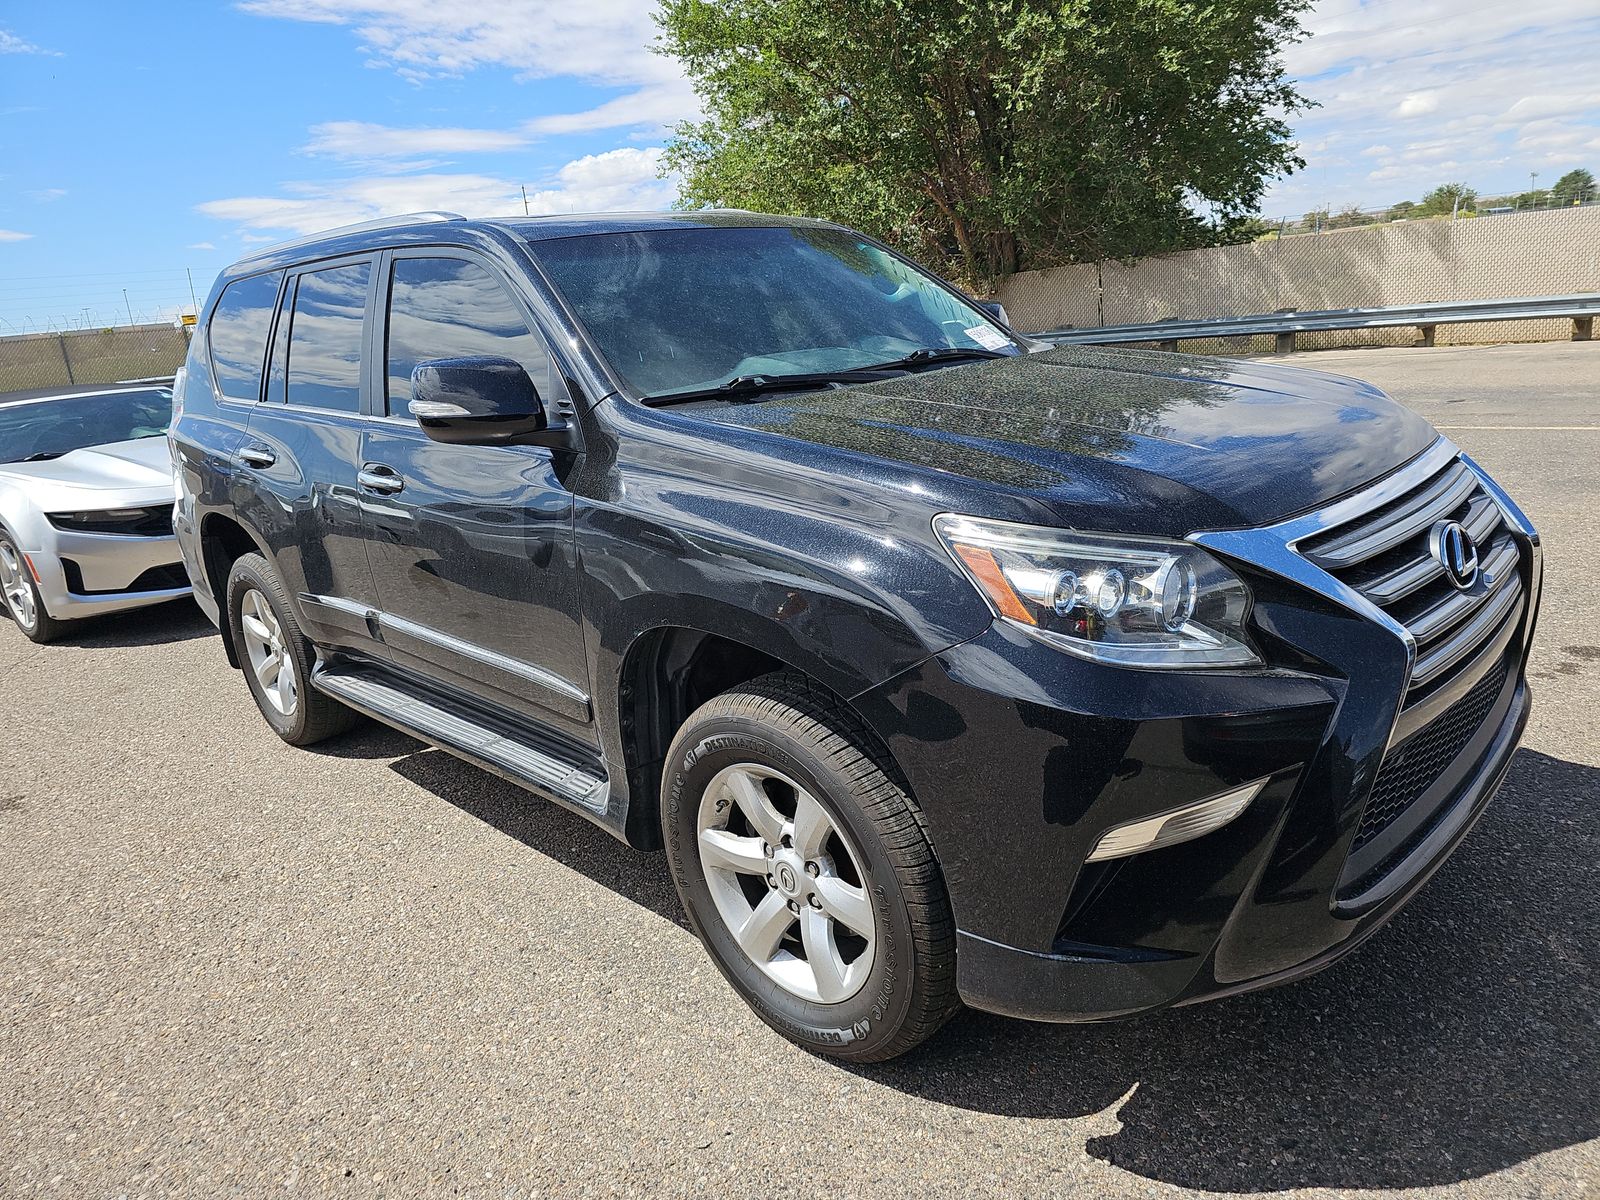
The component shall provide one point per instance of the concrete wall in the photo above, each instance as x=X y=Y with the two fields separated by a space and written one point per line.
x=1409 y=262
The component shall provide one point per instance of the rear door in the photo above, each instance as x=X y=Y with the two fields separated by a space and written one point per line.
x=303 y=448
x=472 y=547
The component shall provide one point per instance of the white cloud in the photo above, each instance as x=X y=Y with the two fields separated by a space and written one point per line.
x=10 y=43
x=659 y=105
x=618 y=179
x=597 y=39
x=45 y=195
x=605 y=42
x=1435 y=96
x=201 y=246
x=1418 y=104
x=11 y=235
x=360 y=141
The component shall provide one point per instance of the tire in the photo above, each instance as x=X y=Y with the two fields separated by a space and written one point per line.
x=756 y=764
x=277 y=658
x=19 y=596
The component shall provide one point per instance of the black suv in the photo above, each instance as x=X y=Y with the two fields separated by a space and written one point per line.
x=945 y=666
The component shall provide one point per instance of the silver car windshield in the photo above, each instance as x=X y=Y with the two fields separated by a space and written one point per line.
x=676 y=310
x=34 y=430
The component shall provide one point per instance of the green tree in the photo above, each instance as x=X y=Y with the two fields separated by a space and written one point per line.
x=1403 y=210
x=990 y=135
x=1538 y=198
x=1348 y=217
x=1447 y=198
x=1574 y=187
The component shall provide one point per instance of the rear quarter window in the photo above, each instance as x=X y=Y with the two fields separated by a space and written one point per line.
x=237 y=335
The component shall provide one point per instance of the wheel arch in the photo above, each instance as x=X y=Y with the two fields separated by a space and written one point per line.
x=668 y=671
x=223 y=541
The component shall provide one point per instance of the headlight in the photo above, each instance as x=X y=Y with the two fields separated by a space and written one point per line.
x=154 y=521
x=1137 y=602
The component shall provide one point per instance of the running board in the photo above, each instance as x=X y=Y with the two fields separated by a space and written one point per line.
x=513 y=753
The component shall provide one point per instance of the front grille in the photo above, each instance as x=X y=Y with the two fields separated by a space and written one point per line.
x=1410 y=768
x=1384 y=554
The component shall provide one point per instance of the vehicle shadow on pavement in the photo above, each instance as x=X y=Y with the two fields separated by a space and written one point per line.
x=174 y=621
x=541 y=826
x=1462 y=1040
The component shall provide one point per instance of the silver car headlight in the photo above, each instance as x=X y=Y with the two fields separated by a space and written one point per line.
x=1135 y=602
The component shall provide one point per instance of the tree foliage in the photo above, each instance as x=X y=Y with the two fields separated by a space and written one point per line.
x=1574 y=187
x=990 y=136
x=1447 y=198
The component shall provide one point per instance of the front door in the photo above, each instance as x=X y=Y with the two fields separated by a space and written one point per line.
x=471 y=547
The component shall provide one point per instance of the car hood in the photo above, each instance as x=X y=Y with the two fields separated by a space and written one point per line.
x=141 y=468
x=1145 y=441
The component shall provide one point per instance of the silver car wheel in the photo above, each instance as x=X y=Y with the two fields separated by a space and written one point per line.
x=269 y=657
x=14 y=585
x=773 y=859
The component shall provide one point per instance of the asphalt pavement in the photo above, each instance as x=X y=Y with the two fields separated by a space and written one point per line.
x=232 y=968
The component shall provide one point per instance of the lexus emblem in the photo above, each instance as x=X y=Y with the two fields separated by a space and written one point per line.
x=1456 y=552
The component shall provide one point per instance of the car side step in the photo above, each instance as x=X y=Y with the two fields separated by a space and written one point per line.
x=515 y=754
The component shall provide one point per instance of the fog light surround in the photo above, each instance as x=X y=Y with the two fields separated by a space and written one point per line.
x=1176 y=825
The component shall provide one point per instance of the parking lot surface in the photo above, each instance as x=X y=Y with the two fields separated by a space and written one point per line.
x=235 y=968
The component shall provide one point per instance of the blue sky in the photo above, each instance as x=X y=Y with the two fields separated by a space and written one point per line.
x=138 y=141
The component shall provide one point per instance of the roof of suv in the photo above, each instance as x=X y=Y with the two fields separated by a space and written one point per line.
x=401 y=229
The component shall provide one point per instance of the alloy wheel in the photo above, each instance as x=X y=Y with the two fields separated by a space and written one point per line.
x=787 y=883
x=269 y=657
x=14 y=585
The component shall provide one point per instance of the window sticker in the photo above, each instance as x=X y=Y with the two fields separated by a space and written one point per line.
x=988 y=337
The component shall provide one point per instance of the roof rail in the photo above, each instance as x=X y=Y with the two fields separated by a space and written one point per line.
x=416 y=218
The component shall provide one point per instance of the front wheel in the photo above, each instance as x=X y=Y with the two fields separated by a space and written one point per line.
x=20 y=595
x=805 y=870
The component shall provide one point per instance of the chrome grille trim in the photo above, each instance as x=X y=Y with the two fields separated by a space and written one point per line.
x=1380 y=552
x=1388 y=529
x=1460 y=645
x=1483 y=519
x=1457 y=606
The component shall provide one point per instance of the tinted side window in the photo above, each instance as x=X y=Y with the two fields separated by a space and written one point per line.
x=324 y=369
x=447 y=308
x=237 y=334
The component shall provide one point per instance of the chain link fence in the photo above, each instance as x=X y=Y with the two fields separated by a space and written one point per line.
x=84 y=356
x=1545 y=253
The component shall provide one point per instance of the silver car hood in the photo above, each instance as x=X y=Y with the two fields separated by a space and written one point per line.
x=135 y=472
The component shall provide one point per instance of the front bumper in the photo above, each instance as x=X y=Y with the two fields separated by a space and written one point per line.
x=1022 y=757
x=87 y=574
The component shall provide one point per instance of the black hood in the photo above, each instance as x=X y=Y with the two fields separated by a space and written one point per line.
x=1147 y=441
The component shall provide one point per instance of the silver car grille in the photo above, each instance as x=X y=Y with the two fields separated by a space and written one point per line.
x=1384 y=554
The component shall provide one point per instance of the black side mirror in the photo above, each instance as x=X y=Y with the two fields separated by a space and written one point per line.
x=482 y=400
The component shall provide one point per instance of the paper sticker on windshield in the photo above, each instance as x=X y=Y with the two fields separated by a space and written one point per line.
x=988 y=337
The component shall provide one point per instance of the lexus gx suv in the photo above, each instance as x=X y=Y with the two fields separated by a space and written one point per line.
x=945 y=667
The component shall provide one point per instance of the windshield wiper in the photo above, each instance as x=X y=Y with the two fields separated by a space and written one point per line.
x=751 y=385
x=930 y=354
x=43 y=456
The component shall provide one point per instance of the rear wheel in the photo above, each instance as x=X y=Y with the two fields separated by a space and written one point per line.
x=20 y=595
x=277 y=658
x=805 y=869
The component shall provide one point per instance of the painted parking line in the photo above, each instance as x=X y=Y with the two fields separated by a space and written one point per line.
x=1529 y=428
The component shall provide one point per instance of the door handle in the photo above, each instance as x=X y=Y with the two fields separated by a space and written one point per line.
x=376 y=477
x=257 y=456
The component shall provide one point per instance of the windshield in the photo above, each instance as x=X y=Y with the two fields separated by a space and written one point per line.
x=41 y=429
x=681 y=309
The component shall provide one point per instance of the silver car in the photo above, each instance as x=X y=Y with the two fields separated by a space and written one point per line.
x=86 y=495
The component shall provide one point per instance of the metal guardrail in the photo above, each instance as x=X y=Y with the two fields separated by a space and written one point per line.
x=1580 y=308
